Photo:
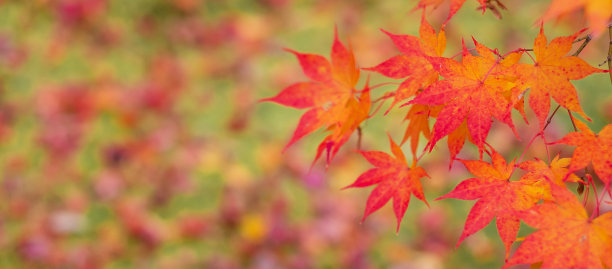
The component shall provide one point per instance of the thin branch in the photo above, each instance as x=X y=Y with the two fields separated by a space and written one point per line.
x=572 y=119
x=580 y=39
x=359 y=134
x=610 y=52
x=587 y=39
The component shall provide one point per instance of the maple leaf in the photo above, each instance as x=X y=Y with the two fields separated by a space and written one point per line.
x=473 y=91
x=348 y=119
x=418 y=123
x=591 y=147
x=598 y=12
x=550 y=75
x=330 y=97
x=498 y=197
x=413 y=63
x=556 y=172
x=566 y=236
x=395 y=180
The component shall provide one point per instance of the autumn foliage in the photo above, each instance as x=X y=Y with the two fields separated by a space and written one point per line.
x=459 y=97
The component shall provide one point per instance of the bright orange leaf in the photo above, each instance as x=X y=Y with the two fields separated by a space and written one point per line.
x=549 y=76
x=395 y=180
x=566 y=236
x=591 y=147
x=348 y=119
x=498 y=197
x=598 y=12
x=330 y=95
x=556 y=172
x=418 y=123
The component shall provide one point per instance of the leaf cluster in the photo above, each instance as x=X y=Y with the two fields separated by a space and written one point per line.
x=459 y=100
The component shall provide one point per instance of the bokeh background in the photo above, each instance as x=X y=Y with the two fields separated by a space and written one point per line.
x=131 y=136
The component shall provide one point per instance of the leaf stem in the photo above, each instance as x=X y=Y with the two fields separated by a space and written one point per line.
x=459 y=53
x=499 y=60
x=546 y=146
x=598 y=199
x=529 y=54
x=541 y=133
x=585 y=198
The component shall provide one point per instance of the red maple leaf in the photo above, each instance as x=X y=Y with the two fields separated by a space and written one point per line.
x=413 y=64
x=330 y=95
x=551 y=73
x=566 y=236
x=498 y=197
x=395 y=180
x=591 y=147
x=474 y=91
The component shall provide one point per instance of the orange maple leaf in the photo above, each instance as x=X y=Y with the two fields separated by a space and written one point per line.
x=591 y=147
x=395 y=180
x=556 y=172
x=348 y=119
x=330 y=95
x=473 y=91
x=413 y=64
x=551 y=73
x=498 y=197
x=566 y=236
x=598 y=12
x=418 y=123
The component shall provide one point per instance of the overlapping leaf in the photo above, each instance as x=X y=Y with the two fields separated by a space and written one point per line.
x=498 y=197
x=549 y=76
x=330 y=97
x=395 y=180
x=556 y=172
x=418 y=123
x=413 y=64
x=591 y=147
x=474 y=91
x=566 y=236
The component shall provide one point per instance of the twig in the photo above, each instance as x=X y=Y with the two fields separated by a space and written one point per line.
x=359 y=133
x=610 y=52
x=572 y=119
x=587 y=39
x=580 y=39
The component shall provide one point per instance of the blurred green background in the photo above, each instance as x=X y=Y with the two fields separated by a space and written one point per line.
x=131 y=136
